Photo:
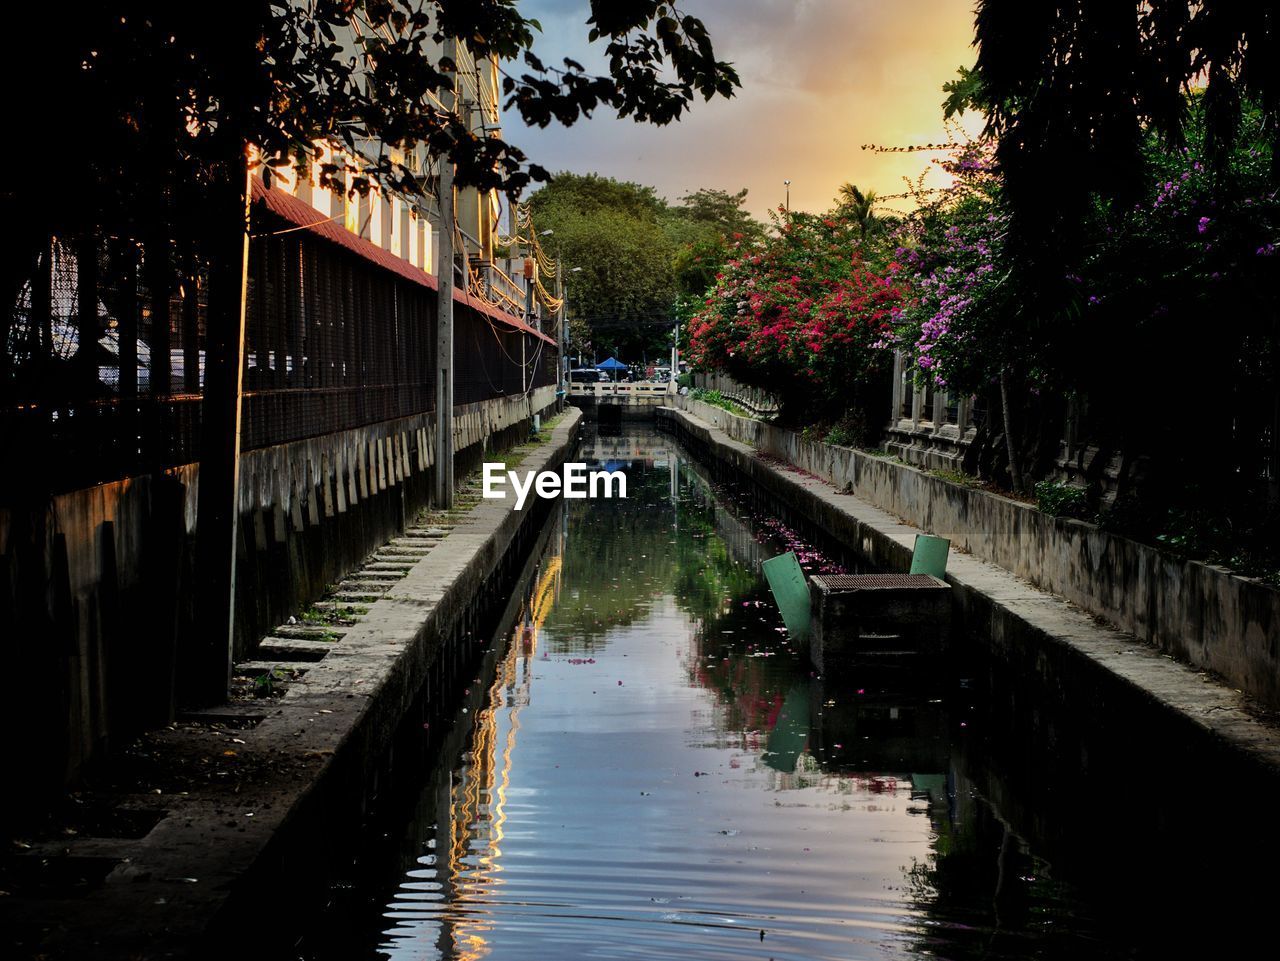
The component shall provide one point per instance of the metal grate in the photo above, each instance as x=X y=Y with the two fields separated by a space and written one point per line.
x=102 y=351
x=850 y=582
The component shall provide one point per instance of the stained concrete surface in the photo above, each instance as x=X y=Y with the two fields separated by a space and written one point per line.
x=236 y=796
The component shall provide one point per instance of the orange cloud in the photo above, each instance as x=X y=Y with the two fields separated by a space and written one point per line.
x=820 y=78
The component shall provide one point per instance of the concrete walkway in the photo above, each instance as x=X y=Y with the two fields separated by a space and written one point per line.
x=233 y=799
x=1102 y=672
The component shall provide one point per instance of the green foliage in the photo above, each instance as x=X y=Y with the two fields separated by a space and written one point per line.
x=717 y=215
x=592 y=194
x=708 y=226
x=1061 y=500
x=270 y=683
x=958 y=477
x=620 y=298
x=859 y=206
x=850 y=430
x=964 y=93
x=695 y=266
x=841 y=437
x=637 y=254
x=1071 y=97
x=717 y=399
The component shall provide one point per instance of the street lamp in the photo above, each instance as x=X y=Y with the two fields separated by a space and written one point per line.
x=787 y=184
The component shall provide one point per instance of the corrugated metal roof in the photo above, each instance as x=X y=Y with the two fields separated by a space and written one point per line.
x=301 y=214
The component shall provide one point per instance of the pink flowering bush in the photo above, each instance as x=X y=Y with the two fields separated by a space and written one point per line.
x=799 y=314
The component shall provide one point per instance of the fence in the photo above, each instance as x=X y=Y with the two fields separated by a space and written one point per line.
x=755 y=401
x=103 y=351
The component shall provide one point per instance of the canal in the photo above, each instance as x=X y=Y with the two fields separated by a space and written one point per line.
x=646 y=766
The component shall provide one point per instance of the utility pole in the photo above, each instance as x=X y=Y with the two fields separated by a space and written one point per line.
x=217 y=507
x=444 y=342
x=444 y=323
x=675 y=352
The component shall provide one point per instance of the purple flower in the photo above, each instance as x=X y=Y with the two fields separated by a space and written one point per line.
x=1203 y=225
x=1266 y=250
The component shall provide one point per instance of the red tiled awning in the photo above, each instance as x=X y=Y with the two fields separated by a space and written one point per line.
x=303 y=215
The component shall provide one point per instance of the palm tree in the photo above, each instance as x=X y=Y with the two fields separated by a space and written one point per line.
x=860 y=205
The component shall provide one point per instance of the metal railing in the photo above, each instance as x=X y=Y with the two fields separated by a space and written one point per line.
x=758 y=403
x=621 y=389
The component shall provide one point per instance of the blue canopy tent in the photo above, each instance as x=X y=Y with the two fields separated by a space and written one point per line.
x=612 y=366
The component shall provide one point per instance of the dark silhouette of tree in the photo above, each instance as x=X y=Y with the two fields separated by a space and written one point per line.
x=1069 y=89
x=139 y=101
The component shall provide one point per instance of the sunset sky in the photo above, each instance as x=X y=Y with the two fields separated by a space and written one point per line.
x=819 y=79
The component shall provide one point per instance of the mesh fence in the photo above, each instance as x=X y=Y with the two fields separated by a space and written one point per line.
x=104 y=351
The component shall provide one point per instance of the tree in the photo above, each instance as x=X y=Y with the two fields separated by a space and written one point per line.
x=159 y=95
x=860 y=207
x=592 y=193
x=1071 y=90
x=1087 y=105
x=716 y=214
x=637 y=253
x=707 y=226
x=612 y=231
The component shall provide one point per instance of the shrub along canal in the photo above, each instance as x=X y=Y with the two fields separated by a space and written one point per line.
x=646 y=766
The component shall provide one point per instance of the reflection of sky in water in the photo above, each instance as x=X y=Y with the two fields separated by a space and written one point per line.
x=656 y=773
x=646 y=784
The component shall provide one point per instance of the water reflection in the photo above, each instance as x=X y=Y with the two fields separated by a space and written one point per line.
x=655 y=771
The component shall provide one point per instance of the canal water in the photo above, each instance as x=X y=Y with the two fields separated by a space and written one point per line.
x=646 y=766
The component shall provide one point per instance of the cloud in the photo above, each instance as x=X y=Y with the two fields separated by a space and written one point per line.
x=820 y=78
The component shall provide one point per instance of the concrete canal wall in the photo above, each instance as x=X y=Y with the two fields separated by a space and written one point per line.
x=95 y=585
x=1198 y=613
x=323 y=756
x=1070 y=665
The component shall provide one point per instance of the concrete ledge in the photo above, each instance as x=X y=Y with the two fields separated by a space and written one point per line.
x=304 y=768
x=1099 y=673
x=1197 y=612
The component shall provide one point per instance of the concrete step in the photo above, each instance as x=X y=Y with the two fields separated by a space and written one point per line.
x=361 y=597
x=258 y=668
x=339 y=606
x=292 y=649
x=389 y=567
x=309 y=632
x=363 y=586
x=418 y=534
x=372 y=574
x=229 y=715
x=412 y=541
